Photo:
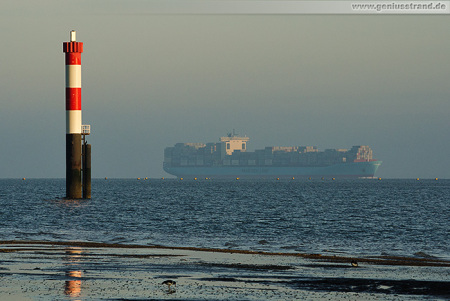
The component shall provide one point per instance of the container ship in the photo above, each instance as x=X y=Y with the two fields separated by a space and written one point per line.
x=229 y=158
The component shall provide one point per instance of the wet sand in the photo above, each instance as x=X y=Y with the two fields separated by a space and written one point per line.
x=32 y=270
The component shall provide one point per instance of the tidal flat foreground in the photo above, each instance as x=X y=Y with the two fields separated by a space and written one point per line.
x=37 y=270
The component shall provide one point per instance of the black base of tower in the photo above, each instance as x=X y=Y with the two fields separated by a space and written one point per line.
x=73 y=166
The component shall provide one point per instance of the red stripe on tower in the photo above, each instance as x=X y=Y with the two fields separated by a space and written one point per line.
x=73 y=99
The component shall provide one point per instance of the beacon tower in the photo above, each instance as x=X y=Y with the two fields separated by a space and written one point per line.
x=74 y=131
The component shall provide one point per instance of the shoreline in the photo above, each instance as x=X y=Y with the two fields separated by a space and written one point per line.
x=376 y=260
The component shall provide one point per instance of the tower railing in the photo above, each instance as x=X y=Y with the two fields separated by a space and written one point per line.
x=85 y=129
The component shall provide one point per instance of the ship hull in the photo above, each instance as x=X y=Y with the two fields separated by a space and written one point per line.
x=343 y=170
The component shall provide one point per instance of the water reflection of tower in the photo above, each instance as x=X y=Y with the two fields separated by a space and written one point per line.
x=72 y=287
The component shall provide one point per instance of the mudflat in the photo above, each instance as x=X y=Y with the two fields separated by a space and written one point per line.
x=41 y=270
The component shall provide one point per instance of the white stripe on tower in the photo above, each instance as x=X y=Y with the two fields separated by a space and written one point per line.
x=73 y=76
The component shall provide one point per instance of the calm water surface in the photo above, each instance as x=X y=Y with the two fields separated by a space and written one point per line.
x=359 y=217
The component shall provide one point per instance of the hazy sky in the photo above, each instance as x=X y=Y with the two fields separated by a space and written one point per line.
x=150 y=81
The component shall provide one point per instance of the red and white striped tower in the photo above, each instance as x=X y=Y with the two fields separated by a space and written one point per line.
x=73 y=50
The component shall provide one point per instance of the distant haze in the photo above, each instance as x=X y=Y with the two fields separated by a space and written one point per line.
x=150 y=81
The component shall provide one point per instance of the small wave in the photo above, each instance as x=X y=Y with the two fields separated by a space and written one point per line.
x=333 y=251
x=290 y=247
x=231 y=245
x=119 y=239
x=424 y=255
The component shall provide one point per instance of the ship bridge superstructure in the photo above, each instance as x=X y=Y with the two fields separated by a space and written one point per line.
x=234 y=143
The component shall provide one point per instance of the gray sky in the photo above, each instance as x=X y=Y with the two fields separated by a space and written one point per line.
x=150 y=81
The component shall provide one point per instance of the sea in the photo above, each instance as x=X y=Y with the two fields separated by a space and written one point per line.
x=365 y=217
